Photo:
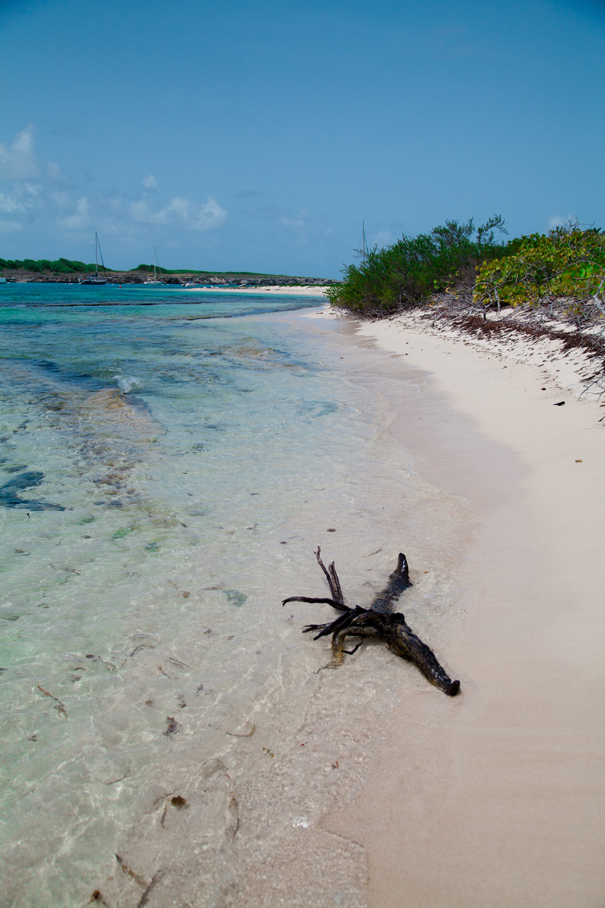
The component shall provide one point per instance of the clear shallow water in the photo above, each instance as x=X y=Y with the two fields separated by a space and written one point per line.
x=168 y=472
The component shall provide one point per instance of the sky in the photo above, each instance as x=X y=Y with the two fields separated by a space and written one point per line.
x=256 y=135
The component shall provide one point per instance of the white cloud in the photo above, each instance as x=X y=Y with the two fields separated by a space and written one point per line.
x=9 y=203
x=298 y=223
x=80 y=217
x=557 y=220
x=36 y=192
x=180 y=212
x=19 y=161
x=210 y=215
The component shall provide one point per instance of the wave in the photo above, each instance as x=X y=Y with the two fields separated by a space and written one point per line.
x=128 y=383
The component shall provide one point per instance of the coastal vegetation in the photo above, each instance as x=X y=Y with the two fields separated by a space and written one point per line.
x=238 y=274
x=39 y=266
x=567 y=263
x=476 y=270
x=405 y=274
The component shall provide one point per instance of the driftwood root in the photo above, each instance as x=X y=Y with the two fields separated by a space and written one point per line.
x=379 y=622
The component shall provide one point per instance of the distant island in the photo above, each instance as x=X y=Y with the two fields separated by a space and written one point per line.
x=65 y=271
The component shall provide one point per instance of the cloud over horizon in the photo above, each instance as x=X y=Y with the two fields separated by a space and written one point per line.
x=180 y=211
x=35 y=192
x=19 y=161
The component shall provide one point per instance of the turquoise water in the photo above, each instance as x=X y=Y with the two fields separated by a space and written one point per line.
x=167 y=469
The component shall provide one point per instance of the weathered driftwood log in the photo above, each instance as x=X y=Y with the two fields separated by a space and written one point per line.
x=379 y=621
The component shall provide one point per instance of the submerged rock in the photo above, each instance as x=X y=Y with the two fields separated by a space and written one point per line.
x=10 y=499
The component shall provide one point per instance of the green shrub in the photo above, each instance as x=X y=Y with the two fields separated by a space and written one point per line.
x=402 y=275
x=149 y=268
x=31 y=265
x=62 y=266
x=567 y=262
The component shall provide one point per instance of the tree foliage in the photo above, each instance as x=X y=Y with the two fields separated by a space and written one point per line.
x=567 y=262
x=402 y=275
x=149 y=269
x=59 y=266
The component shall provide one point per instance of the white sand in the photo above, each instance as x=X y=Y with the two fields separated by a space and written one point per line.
x=282 y=290
x=495 y=799
x=492 y=799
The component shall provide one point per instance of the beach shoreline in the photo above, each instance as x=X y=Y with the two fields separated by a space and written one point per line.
x=290 y=761
x=364 y=786
x=491 y=799
x=281 y=290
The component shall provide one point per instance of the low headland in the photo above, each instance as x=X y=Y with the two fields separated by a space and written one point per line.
x=65 y=271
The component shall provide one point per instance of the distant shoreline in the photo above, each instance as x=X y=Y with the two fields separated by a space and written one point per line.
x=285 y=290
x=195 y=280
x=316 y=290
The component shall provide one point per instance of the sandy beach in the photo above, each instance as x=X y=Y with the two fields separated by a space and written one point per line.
x=229 y=765
x=381 y=792
x=280 y=290
x=495 y=798
x=302 y=455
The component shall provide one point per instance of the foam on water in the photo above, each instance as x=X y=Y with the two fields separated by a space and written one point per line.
x=128 y=383
x=187 y=468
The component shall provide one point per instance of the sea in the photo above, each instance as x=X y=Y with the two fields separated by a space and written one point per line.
x=170 y=462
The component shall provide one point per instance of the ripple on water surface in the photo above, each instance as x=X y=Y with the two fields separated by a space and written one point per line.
x=164 y=481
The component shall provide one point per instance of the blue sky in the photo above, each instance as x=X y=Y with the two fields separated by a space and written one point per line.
x=258 y=136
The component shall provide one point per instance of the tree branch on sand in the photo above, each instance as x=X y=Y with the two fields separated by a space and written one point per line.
x=378 y=622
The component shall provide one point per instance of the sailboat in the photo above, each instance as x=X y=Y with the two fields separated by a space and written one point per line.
x=155 y=281
x=364 y=251
x=96 y=281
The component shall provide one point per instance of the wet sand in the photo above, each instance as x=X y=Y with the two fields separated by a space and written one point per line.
x=495 y=798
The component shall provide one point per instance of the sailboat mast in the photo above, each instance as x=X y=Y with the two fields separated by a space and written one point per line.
x=96 y=255
x=364 y=245
x=155 y=258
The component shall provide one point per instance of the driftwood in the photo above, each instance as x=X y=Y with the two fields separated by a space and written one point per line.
x=380 y=622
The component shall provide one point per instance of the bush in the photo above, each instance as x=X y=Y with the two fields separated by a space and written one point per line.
x=62 y=266
x=149 y=269
x=402 y=275
x=567 y=262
